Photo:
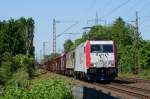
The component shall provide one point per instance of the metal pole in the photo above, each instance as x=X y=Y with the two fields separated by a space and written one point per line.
x=40 y=56
x=96 y=19
x=136 y=46
x=44 y=50
x=137 y=42
x=54 y=36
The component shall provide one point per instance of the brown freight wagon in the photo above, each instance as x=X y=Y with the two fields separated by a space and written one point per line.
x=70 y=63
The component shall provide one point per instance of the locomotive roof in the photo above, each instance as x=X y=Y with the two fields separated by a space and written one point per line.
x=101 y=42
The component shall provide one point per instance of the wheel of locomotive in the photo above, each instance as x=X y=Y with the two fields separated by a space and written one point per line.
x=79 y=76
x=83 y=77
x=87 y=78
x=76 y=75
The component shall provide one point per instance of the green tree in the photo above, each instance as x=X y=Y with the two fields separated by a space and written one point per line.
x=100 y=33
x=6 y=67
x=145 y=55
x=30 y=36
x=122 y=34
x=53 y=55
x=67 y=45
x=16 y=37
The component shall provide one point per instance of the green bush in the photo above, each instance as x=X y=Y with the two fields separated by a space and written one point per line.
x=5 y=72
x=6 y=68
x=12 y=92
x=47 y=89
x=24 y=61
x=145 y=74
x=20 y=79
x=51 y=89
x=16 y=70
x=22 y=70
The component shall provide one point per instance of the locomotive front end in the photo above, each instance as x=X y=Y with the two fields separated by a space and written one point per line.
x=103 y=63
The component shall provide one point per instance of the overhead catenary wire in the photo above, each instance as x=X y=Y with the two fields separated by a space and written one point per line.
x=67 y=21
x=146 y=30
x=91 y=6
x=115 y=9
x=134 y=4
x=73 y=33
x=54 y=31
x=144 y=6
x=144 y=22
x=86 y=13
x=69 y=34
x=67 y=29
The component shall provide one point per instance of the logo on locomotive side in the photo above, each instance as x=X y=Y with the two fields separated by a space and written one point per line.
x=102 y=55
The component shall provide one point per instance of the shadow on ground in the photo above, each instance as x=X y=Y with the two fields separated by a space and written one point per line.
x=91 y=93
x=123 y=82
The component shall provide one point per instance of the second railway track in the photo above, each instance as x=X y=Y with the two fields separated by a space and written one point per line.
x=132 y=87
x=133 y=79
x=129 y=90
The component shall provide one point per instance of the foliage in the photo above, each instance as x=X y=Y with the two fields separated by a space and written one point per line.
x=126 y=66
x=51 y=89
x=16 y=49
x=145 y=54
x=12 y=92
x=100 y=33
x=53 y=55
x=6 y=68
x=23 y=68
x=20 y=79
x=5 y=72
x=122 y=34
x=16 y=36
x=67 y=45
x=47 y=89
x=145 y=74
x=16 y=70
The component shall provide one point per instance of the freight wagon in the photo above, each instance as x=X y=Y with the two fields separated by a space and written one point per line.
x=91 y=60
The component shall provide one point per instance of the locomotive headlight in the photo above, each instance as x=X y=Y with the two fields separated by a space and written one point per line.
x=93 y=65
x=111 y=64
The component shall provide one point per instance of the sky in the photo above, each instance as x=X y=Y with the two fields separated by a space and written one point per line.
x=69 y=12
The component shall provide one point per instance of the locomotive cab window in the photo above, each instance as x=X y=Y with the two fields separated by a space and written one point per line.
x=95 y=48
x=104 y=48
x=107 y=48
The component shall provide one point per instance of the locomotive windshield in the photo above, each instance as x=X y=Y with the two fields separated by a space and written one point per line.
x=103 y=48
x=107 y=48
x=96 y=48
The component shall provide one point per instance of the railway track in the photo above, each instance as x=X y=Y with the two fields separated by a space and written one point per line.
x=133 y=79
x=132 y=87
x=129 y=90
